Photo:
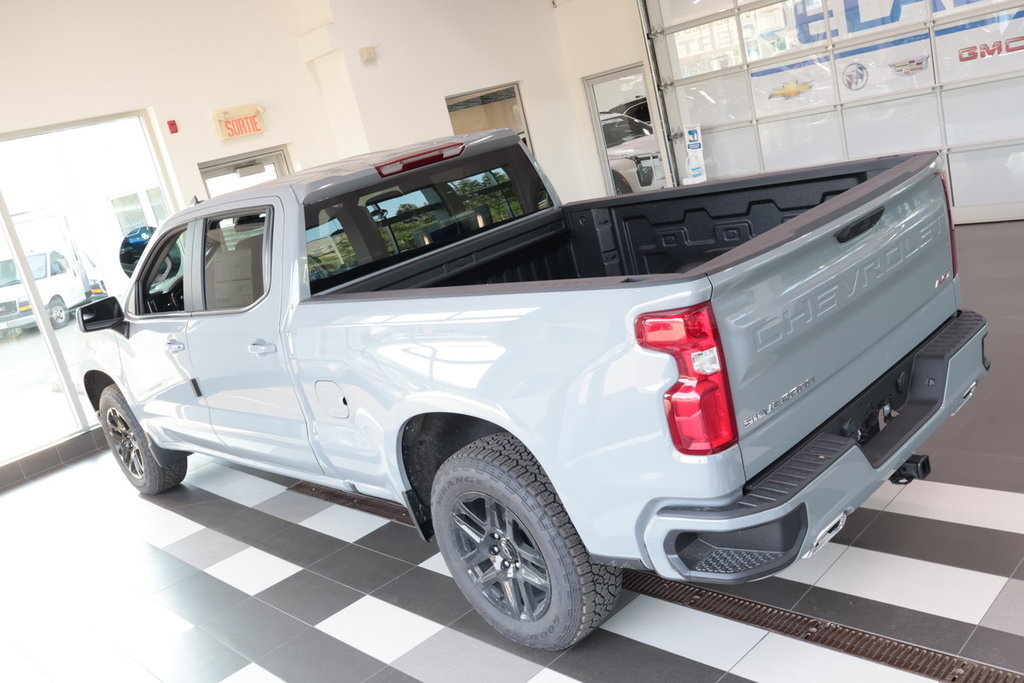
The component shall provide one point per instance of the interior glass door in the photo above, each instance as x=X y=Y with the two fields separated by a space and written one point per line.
x=630 y=151
x=244 y=170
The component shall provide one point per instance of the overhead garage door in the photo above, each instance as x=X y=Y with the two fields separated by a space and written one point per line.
x=784 y=84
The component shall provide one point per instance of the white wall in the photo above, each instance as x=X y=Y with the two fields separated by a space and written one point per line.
x=64 y=61
x=429 y=50
x=596 y=36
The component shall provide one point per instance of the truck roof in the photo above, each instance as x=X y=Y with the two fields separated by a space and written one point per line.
x=323 y=180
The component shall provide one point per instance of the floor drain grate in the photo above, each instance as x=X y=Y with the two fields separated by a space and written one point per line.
x=895 y=653
x=375 y=506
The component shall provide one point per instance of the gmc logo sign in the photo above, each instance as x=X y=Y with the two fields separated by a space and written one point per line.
x=997 y=48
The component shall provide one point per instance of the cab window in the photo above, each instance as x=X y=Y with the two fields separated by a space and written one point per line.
x=58 y=264
x=235 y=272
x=353 y=234
x=162 y=287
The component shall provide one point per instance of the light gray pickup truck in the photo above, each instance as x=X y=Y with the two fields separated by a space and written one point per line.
x=699 y=382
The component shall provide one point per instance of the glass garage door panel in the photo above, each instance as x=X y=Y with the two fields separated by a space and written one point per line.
x=885 y=67
x=987 y=176
x=892 y=127
x=729 y=152
x=801 y=141
x=682 y=11
x=771 y=31
x=794 y=87
x=705 y=48
x=1001 y=103
x=715 y=101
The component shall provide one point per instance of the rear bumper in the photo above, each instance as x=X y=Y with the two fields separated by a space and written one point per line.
x=797 y=503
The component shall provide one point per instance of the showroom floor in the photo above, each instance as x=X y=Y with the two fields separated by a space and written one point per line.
x=232 y=576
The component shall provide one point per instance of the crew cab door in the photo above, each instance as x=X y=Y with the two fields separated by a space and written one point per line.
x=155 y=356
x=240 y=359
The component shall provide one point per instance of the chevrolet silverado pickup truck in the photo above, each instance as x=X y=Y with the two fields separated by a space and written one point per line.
x=698 y=382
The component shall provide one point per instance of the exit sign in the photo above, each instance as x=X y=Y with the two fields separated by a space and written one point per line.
x=239 y=122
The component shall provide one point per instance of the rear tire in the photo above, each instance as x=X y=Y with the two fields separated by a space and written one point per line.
x=132 y=448
x=58 y=312
x=512 y=549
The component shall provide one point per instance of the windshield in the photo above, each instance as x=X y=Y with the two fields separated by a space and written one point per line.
x=9 y=273
x=623 y=129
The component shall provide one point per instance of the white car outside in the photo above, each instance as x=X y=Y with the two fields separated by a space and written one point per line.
x=59 y=283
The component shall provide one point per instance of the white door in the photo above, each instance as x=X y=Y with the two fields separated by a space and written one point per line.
x=240 y=358
x=156 y=358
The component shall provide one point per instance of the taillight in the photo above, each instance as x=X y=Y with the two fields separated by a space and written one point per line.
x=419 y=159
x=698 y=406
x=949 y=211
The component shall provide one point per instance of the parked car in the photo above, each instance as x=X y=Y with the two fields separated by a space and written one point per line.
x=633 y=154
x=701 y=382
x=59 y=283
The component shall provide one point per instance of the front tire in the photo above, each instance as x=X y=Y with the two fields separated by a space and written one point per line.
x=132 y=448
x=622 y=185
x=512 y=549
x=58 y=312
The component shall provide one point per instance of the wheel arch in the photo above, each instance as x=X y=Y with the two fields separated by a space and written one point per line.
x=95 y=381
x=427 y=440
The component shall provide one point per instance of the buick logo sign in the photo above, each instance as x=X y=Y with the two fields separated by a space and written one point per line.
x=855 y=76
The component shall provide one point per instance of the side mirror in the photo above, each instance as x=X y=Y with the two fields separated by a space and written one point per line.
x=132 y=247
x=102 y=315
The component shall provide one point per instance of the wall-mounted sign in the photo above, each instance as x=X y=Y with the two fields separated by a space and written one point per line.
x=239 y=122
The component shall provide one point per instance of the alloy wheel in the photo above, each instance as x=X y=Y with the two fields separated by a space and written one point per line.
x=501 y=556
x=58 y=314
x=126 y=448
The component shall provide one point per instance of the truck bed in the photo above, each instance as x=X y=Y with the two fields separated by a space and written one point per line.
x=668 y=231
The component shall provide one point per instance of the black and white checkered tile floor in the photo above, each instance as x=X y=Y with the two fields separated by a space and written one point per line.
x=233 y=577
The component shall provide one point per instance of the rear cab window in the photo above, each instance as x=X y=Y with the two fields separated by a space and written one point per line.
x=357 y=233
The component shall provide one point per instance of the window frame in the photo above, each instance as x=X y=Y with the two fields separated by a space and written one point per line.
x=58 y=264
x=136 y=307
x=199 y=252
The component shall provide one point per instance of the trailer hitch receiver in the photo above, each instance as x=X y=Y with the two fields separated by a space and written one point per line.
x=916 y=467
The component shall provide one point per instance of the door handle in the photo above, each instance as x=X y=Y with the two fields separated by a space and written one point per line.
x=860 y=227
x=174 y=346
x=262 y=348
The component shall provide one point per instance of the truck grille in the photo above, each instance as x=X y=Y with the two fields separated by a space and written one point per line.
x=8 y=309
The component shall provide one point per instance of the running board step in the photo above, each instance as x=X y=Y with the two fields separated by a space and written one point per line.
x=375 y=506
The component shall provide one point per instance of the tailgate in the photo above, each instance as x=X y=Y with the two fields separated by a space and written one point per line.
x=812 y=312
